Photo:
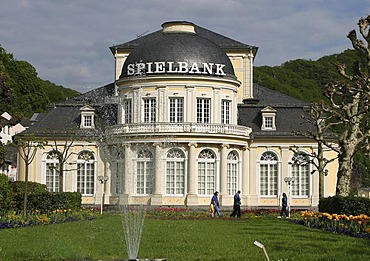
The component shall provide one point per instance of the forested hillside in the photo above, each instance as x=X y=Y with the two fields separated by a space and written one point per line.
x=22 y=92
x=304 y=79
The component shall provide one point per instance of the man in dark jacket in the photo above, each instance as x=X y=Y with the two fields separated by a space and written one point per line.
x=237 y=203
x=284 y=207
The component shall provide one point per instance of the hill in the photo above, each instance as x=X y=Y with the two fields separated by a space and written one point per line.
x=22 y=92
x=304 y=79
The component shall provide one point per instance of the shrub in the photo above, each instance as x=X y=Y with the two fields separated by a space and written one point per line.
x=345 y=205
x=5 y=193
x=46 y=202
x=32 y=187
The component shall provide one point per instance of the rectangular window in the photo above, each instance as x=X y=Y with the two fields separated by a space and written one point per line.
x=301 y=175
x=202 y=178
x=127 y=105
x=231 y=178
x=180 y=178
x=176 y=109
x=149 y=178
x=144 y=178
x=85 y=178
x=150 y=110
x=268 y=122
x=268 y=179
x=170 y=178
x=211 y=183
x=225 y=112
x=52 y=177
x=118 y=187
x=140 y=178
x=87 y=121
x=175 y=178
x=203 y=110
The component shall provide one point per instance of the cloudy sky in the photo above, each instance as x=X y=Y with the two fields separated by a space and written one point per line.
x=68 y=41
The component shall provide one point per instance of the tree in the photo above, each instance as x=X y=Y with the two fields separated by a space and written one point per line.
x=27 y=146
x=348 y=107
x=62 y=152
x=321 y=135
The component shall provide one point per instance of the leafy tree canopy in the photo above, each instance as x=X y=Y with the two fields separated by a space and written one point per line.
x=22 y=92
x=304 y=79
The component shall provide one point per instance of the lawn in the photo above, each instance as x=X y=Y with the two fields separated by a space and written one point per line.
x=181 y=239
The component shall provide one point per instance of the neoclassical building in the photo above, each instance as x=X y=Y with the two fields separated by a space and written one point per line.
x=181 y=120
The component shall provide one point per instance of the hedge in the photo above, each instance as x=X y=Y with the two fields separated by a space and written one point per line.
x=345 y=205
x=38 y=198
x=5 y=193
x=32 y=187
x=46 y=202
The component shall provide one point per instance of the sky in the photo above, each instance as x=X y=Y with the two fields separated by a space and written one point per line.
x=68 y=41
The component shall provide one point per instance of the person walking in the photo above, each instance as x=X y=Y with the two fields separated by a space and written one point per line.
x=284 y=207
x=237 y=204
x=216 y=204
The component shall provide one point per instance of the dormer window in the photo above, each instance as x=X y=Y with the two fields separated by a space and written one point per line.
x=87 y=117
x=268 y=119
x=87 y=121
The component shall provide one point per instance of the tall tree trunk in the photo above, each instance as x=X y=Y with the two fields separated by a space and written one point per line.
x=25 y=190
x=61 y=177
x=321 y=169
x=345 y=170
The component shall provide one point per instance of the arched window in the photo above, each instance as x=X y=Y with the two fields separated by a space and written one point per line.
x=175 y=172
x=144 y=173
x=301 y=174
x=52 y=171
x=85 y=172
x=232 y=173
x=206 y=172
x=268 y=174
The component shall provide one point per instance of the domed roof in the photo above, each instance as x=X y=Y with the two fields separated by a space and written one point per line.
x=178 y=50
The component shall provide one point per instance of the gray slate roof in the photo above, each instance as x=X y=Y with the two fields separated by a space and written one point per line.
x=222 y=41
x=288 y=117
x=65 y=119
x=179 y=47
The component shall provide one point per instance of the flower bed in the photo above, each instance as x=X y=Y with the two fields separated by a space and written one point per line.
x=176 y=213
x=356 y=226
x=14 y=220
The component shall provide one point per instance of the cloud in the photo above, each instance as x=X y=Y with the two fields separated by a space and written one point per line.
x=68 y=41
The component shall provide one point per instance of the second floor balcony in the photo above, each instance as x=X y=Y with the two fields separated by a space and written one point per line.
x=167 y=128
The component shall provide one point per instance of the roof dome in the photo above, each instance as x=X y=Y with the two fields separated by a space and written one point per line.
x=178 y=50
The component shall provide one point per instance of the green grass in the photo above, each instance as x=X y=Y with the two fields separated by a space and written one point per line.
x=183 y=239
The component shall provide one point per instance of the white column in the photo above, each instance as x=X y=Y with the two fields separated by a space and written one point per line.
x=192 y=196
x=158 y=170
x=157 y=197
x=223 y=170
x=245 y=171
x=128 y=184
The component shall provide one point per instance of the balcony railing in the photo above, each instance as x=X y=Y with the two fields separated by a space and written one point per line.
x=179 y=128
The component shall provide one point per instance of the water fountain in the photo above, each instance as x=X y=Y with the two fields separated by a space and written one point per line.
x=133 y=221
x=132 y=216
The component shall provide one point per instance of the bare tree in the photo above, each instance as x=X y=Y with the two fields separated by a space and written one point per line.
x=321 y=135
x=349 y=107
x=62 y=153
x=347 y=112
x=27 y=147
